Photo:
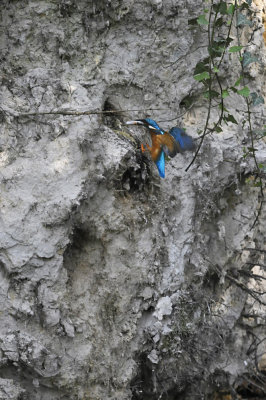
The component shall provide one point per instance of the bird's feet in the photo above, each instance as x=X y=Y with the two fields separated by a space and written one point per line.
x=143 y=147
x=148 y=147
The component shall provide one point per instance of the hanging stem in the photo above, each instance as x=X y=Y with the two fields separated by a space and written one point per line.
x=252 y=150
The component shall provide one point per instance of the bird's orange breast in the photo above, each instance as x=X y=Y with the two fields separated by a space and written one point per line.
x=161 y=142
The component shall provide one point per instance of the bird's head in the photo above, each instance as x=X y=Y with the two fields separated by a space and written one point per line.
x=147 y=123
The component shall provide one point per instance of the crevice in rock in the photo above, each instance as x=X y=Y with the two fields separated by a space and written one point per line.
x=133 y=180
x=187 y=101
x=67 y=8
x=134 y=177
x=142 y=386
x=211 y=280
x=147 y=385
x=82 y=241
x=34 y=385
x=252 y=387
x=111 y=117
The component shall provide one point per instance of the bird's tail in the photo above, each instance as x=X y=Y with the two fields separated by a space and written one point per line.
x=161 y=165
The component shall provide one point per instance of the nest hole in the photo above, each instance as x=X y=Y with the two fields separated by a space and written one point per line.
x=142 y=385
x=147 y=385
x=111 y=116
x=253 y=388
x=134 y=176
x=187 y=101
x=133 y=180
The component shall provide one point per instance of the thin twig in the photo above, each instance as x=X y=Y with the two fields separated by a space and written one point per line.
x=90 y=112
x=250 y=131
x=251 y=292
x=210 y=38
x=259 y=250
x=228 y=35
x=251 y=275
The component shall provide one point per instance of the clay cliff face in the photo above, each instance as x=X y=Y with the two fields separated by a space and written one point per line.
x=114 y=283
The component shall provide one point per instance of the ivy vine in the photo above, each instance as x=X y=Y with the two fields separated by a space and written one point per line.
x=222 y=21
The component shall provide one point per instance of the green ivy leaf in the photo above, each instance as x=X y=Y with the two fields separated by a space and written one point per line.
x=202 y=20
x=243 y=20
x=244 y=92
x=219 y=22
x=235 y=49
x=237 y=83
x=193 y=21
x=223 y=7
x=231 y=9
x=218 y=129
x=225 y=94
x=248 y=58
x=228 y=40
x=233 y=89
x=218 y=46
x=215 y=70
x=202 y=66
x=222 y=107
x=231 y=118
x=258 y=184
x=256 y=99
x=220 y=7
x=202 y=76
x=211 y=93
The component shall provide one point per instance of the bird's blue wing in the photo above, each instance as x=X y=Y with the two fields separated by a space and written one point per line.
x=161 y=165
x=185 y=142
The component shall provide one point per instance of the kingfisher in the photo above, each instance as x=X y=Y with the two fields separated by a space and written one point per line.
x=164 y=143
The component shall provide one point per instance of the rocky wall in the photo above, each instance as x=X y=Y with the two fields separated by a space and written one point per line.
x=116 y=284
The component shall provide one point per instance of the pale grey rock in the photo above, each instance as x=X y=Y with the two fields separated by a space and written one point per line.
x=153 y=357
x=147 y=293
x=163 y=307
x=68 y=327
x=10 y=390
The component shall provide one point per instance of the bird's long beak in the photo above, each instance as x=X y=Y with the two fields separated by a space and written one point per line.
x=140 y=122
x=137 y=122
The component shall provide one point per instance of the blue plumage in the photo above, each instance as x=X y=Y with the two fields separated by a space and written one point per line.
x=164 y=143
x=154 y=124
x=161 y=165
x=184 y=141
